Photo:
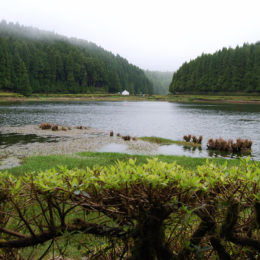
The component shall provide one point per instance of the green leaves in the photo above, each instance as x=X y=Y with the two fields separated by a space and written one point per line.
x=158 y=174
x=121 y=197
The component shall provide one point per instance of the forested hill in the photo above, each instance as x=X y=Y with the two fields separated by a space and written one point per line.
x=228 y=70
x=35 y=61
x=161 y=81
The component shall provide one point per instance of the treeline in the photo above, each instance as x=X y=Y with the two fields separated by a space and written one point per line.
x=35 y=61
x=161 y=81
x=228 y=70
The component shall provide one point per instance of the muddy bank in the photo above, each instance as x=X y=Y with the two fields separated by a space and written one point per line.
x=66 y=142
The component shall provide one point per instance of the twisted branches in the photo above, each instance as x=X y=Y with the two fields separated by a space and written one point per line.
x=78 y=226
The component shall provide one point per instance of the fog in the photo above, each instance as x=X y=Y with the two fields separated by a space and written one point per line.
x=154 y=35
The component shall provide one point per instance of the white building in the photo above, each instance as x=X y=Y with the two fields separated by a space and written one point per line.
x=125 y=93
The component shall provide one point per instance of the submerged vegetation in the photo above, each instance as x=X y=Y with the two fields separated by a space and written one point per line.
x=155 y=210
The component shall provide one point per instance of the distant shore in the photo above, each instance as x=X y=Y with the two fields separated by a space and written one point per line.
x=225 y=99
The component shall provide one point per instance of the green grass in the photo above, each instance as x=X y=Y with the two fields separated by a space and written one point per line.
x=164 y=141
x=89 y=159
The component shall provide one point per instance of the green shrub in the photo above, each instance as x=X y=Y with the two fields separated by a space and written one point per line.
x=157 y=210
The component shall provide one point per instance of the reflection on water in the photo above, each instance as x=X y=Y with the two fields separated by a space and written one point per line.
x=163 y=119
x=192 y=148
x=182 y=150
x=198 y=152
x=214 y=153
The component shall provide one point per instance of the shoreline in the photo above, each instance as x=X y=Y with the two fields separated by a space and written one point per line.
x=67 y=142
x=228 y=99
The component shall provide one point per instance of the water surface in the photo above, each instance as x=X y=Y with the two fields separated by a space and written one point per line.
x=164 y=119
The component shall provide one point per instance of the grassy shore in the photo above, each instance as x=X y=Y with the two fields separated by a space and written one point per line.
x=164 y=141
x=215 y=98
x=89 y=159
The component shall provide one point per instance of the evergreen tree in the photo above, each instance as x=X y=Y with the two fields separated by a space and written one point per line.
x=228 y=70
x=40 y=62
x=5 y=68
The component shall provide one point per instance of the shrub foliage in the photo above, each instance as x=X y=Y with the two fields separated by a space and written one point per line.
x=151 y=211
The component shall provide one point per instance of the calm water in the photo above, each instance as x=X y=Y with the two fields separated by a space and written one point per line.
x=169 y=120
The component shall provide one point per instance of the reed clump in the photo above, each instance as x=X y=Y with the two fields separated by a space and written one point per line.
x=81 y=127
x=193 y=139
x=187 y=138
x=45 y=126
x=126 y=137
x=220 y=144
x=55 y=128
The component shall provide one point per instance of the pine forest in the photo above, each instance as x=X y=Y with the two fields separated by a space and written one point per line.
x=228 y=70
x=35 y=61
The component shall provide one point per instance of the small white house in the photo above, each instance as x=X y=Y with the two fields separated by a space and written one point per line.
x=125 y=93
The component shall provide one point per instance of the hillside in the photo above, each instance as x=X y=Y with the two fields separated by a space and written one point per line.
x=161 y=81
x=35 y=61
x=228 y=70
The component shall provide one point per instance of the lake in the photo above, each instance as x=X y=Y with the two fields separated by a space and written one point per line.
x=163 y=119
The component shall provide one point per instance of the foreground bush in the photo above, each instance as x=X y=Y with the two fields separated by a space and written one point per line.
x=153 y=211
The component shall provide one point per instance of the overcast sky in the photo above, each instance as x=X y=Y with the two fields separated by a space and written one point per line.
x=152 y=34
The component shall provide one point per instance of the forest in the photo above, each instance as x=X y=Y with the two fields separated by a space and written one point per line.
x=36 y=61
x=228 y=70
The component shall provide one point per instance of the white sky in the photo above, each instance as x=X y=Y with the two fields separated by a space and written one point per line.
x=152 y=34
